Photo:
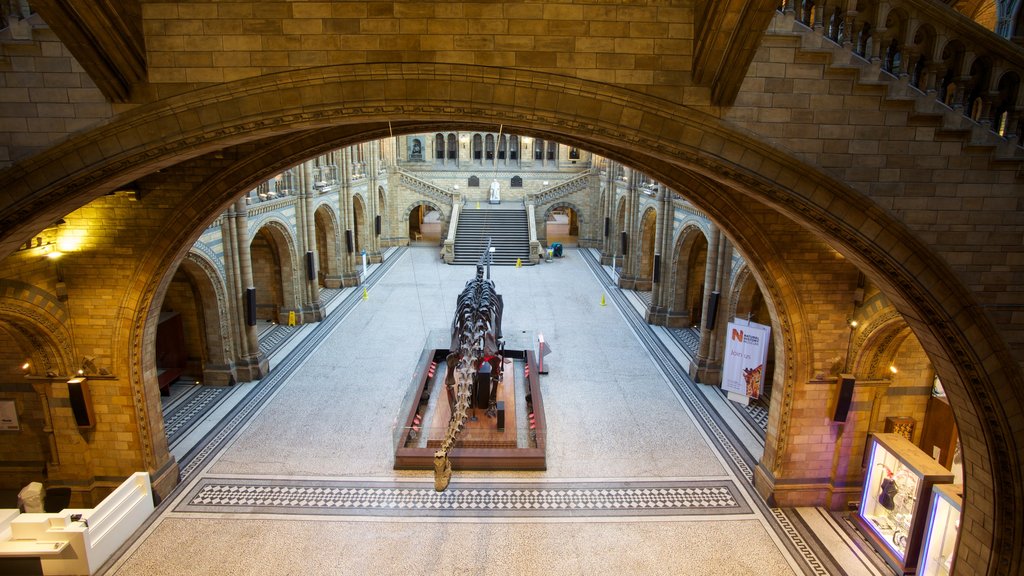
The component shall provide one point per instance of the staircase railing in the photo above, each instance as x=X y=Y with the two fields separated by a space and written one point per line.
x=535 y=247
x=421 y=186
x=954 y=60
x=562 y=189
x=448 y=249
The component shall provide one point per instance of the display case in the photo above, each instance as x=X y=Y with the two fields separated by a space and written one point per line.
x=941 y=530
x=893 y=509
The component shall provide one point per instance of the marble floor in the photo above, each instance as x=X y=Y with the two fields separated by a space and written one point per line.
x=647 y=473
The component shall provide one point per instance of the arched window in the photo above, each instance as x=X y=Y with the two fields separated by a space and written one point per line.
x=439 y=147
x=538 y=149
x=416 y=150
x=513 y=148
x=517 y=182
x=453 y=147
x=502 y=147
x=552 y=150
x=489 y=147
x=474 y=182
x=478 y=147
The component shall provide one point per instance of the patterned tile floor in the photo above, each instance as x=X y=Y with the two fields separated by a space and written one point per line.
x=304 y=459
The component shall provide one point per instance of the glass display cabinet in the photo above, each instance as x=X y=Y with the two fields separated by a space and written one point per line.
x=893 y=509
x=941 y=530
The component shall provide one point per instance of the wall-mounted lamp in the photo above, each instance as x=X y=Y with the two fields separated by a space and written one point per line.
x=26 y=367
x=849 y=345
x=893 y=369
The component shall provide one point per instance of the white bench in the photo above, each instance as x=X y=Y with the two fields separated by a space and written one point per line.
x=74 y=548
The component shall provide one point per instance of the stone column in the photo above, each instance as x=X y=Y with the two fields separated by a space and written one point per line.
x=254 y=360
x=373 y=252
x=660 y=297
x=630 y=259
x=710 y=277
x=349 y=275
x=312 y=308
x=607 y=215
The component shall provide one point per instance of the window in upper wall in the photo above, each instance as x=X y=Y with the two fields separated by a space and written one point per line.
x=439 y=147
x=513 y=148
x=478 y=147
x=453 y=147
x=489 y=147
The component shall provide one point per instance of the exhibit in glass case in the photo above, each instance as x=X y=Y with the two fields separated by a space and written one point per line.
x=897 y=482
x=942 y=530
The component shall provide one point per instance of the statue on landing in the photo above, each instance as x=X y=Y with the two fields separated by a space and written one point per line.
x=495 y=192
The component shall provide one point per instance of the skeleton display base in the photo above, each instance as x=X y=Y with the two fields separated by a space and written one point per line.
x=481 y=446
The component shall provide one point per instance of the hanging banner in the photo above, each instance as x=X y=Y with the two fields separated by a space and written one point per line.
x=746 y=349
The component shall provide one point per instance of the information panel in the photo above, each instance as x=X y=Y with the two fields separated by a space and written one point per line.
x=746 y=349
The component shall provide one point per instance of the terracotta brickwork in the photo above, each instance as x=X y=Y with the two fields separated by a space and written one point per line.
x=646 y=46
x=813 y=175
x=44 y=94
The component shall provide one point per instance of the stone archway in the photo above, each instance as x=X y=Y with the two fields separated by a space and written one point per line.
x=327 y=237
x=645 y=249
x=971 y=353
x=422 y=230
x=274 y=272
x=691 y=254
x=566 y=228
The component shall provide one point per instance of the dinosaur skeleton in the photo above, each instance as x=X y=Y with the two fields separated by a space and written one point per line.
x=476 y=331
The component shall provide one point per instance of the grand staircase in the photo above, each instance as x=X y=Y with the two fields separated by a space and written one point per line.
x=507 y=229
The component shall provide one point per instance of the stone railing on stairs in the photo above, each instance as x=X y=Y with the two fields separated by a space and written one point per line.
x=574 y=184
x=423 y=187
x=929 y=51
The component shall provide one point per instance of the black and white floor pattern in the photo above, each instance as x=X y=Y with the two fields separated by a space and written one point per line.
x=670 y=498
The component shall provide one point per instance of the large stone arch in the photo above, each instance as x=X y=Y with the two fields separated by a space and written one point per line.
x=562 y=204
x=668 y=142
x=42 y=325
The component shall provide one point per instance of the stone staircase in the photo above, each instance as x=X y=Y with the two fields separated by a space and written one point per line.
x=922 y=109
x=507 y=229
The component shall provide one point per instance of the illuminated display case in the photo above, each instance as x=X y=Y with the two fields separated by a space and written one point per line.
x=893 y=509
x=943 y=528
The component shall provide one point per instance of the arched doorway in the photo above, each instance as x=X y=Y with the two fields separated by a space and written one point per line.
x=359 y=224
x=426 y=225
x=562 y=225
x=273 y=276
x=691 y=256
x=327 y=248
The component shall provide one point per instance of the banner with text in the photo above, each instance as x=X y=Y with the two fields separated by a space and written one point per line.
x=746 y=349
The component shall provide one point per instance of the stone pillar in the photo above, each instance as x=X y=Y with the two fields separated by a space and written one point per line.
x=711 y=371
x=254 y=360
x=349 y=275
x=710 y=277
x=660 y=296
x=607 y=215
x=233 y=285
x=373 y=209
x=312 y=308
x=630 y=259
